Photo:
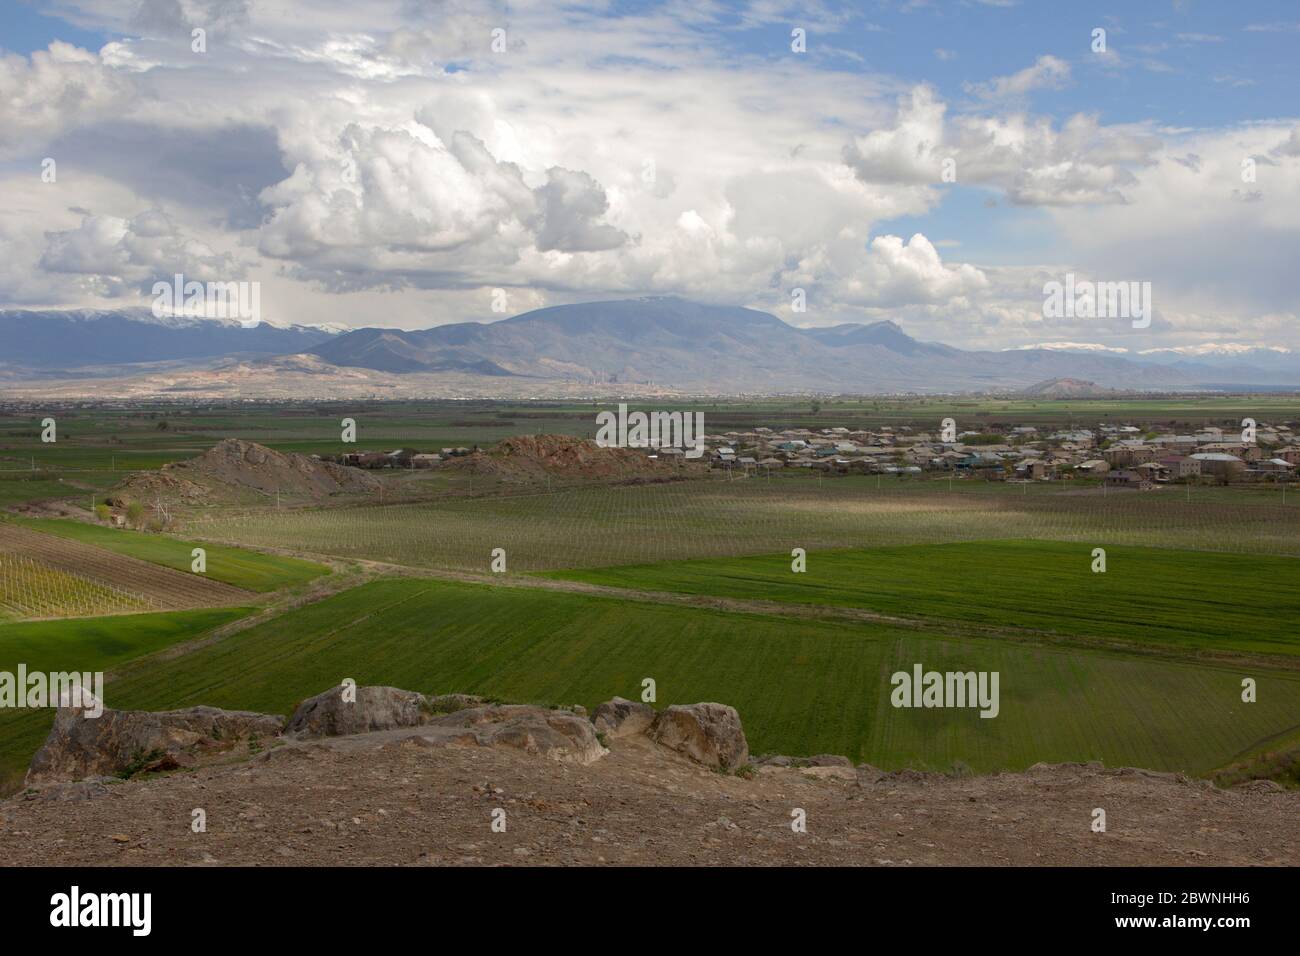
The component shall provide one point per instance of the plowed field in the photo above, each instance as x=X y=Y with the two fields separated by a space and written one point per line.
x=157 y=587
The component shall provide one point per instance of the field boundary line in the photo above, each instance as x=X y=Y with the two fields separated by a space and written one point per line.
x=317 y=591
x=956 y=629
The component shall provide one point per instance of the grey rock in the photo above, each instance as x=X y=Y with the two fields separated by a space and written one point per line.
x=824 y=760
x=707 y=733
x=376 y=708
x=554 y=734
x=622 y=718
x=118 y=741
x=450 y=703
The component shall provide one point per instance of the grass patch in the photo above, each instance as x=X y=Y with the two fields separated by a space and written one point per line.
x=601 y=526
x=801 y=687
x=1190 y=600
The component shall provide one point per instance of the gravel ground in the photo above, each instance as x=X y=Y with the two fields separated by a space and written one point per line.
x=385 y=801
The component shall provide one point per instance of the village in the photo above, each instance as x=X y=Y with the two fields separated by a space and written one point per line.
x=1121 y=455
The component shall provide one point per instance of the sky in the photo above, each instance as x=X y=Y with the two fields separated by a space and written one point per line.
x=409 y=163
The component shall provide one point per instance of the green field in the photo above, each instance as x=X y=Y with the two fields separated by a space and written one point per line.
x=1189 y=600
x=801 y=687
x=88 y=644
x=242 y=568
x=638 y=524
x=990 y=576
x=18 y=489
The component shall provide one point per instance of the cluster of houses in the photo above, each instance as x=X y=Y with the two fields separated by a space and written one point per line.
x=1122 y=455
x=401 y=458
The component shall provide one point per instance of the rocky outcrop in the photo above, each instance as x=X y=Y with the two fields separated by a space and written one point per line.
x=869 y=776
x=538 y=457
x=450 y=703
x=124 y=742
x=622 y=718
x=706 y=733
x=238 y=470
x=554 y=734
x=823 y=760
x=335 y=714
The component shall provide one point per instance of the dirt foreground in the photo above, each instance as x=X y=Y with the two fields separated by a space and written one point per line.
x=383 y=799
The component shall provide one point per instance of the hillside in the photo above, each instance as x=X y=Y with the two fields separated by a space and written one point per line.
x=1066 y=388
x=236 y=471
x=536 y=458
x=90 y=338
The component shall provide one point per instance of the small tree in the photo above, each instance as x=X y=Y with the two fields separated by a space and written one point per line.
x=135 y=514
x=162 y=511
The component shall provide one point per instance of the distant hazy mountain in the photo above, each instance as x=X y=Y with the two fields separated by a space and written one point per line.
x=685 y=344
x=1218 y=354
x=59 y=340
x=886 y=334
x=660 y=339
x=1230 y=363
x=650 y=343
x=1066 y=388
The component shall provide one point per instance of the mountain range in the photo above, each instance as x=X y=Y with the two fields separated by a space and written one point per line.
x=92 y=338
x=660 y=342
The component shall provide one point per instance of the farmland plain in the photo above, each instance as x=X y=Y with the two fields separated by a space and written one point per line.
x=802 y=686
x=1188 y=600
x=636 y=524
x=1139 y=666
x=97 y=447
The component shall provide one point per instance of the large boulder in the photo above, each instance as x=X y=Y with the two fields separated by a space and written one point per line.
x=555 y=734
x=707 y=733
x=122 y=742
x=329 y=714
x=622 y=718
